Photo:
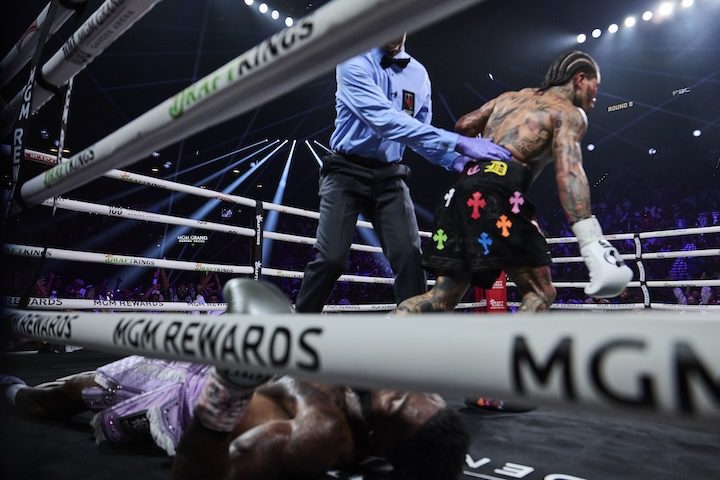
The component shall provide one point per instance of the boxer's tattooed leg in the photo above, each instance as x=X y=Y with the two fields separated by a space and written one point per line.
x=531 y=302
x=535 y=286
x=443 y=297
x=418 y=304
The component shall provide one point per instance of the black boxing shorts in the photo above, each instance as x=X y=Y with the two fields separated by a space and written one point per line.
x=485 y=224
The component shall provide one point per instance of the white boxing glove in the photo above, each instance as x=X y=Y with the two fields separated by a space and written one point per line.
x=608 y=273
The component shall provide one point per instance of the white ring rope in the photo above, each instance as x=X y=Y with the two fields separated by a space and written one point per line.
x=114 y=259
x=21 y=53
x=650 y=363
x=643 y=235
x=386 y=307
x=683 y=283
x=274 y=272
x=100 y=30
x=679 y=232
x=122 y=212
x=148 y=181
x=312 y=241
x=712 y=252
x=40 y=303
x=627 y=306
x=312 y=46
x=670 y=306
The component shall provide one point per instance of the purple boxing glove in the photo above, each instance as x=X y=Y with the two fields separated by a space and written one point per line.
x=481 y=148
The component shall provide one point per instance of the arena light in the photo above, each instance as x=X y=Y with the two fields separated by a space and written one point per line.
x=596 y=33
x=581 y=38
x=613 y=28
x=289 y=22
x=275 y=14
x=697 y=133
x=271 y=219
x=249 y=2
x=263 y=8
x=652 y=151
x=687 y=3
x=666 y=9
x=630 y=22
x=590 y=147
x=647 y=16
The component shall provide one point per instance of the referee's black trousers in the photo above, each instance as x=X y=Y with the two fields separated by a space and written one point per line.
x=349 y=186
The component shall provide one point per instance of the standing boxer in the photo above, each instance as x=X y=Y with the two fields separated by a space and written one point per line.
x=486 y=224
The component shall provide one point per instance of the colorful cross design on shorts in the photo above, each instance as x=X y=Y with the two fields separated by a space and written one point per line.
x=516 y=200
x=440 y=238
x=448 y=197
x=476 y=203
x=504 y=224
x=485 y=241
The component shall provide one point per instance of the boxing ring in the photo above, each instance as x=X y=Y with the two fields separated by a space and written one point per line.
x=586 y=337
x=640 y=362
x=244 y=80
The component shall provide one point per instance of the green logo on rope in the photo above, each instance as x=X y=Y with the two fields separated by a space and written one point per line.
x=194 y=94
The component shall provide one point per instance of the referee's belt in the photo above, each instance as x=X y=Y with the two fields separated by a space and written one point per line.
x=365 y=161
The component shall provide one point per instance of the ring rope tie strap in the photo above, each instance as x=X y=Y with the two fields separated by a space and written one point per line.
x=641 y=270
x=258 y=246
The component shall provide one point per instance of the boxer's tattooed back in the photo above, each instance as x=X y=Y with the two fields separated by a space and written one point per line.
x=539 y=127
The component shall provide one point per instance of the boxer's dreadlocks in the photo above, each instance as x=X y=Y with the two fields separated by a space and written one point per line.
x=566 y=66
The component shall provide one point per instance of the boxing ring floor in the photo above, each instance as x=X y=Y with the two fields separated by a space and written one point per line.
x=546 y=443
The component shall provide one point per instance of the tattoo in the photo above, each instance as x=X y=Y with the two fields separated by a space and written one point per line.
x=535 y=286
x=416 y=305
x=533 y=303
x=532 y=125
x=572 y=182
x=443 y=297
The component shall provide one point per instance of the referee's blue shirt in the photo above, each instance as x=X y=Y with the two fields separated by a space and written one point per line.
x=380 y=111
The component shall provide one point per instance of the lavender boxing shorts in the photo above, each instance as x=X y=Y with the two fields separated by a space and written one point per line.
x=144 y=398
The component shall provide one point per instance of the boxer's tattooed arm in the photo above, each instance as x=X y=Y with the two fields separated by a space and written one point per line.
x=572 y=182
x=443 y=297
